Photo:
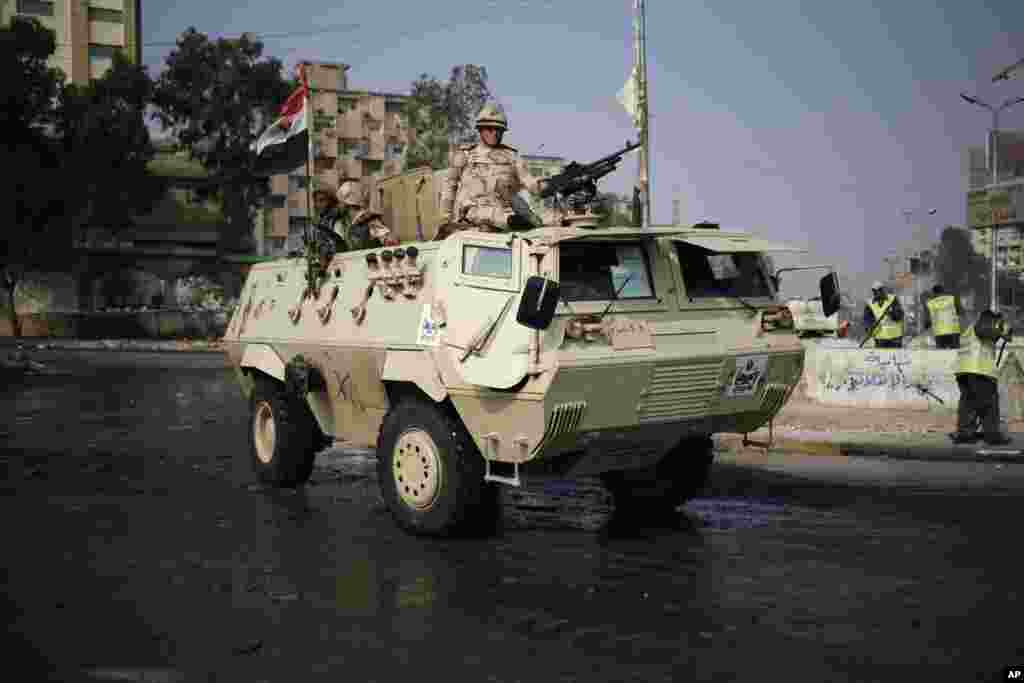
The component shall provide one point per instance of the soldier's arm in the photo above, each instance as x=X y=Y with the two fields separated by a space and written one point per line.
x=381 y=232
x=451 y=186
x=956 y=302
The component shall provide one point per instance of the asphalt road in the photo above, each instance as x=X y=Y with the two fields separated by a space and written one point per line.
x=139 y=547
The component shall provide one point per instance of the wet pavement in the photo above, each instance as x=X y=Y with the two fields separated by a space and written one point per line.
x=140 y=547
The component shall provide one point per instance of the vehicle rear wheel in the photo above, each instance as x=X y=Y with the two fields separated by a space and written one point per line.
x=431 y=474
x=677 y=477
x=283 y=435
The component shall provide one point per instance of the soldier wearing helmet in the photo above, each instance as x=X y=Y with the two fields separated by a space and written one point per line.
x=485 y=176
x=364 y=230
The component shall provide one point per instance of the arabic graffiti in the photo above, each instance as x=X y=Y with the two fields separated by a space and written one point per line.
x=893 y=373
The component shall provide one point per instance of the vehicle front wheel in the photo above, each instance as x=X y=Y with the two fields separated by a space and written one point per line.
x=430 y=472
x=283 y=435
x=678 y=476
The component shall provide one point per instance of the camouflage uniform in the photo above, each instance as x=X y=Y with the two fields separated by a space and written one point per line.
x=482 y=179
x=365 y=229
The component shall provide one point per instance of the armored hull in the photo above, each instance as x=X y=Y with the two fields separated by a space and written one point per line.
x=635 y=359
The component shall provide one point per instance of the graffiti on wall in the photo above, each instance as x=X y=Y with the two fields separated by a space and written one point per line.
x=894 y=373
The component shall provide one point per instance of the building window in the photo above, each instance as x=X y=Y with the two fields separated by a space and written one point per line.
x=37 y=8
x=103 y=14
x=393 y=150
x=102 y=51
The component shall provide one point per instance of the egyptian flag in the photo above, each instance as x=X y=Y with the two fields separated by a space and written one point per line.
x=285 y=145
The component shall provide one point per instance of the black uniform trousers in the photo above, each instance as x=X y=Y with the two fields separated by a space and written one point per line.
x=896 y=343
x=979 y=400
x=947 y=341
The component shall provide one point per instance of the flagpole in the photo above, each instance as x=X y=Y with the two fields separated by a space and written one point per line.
x=310 y=126
x=645 y=132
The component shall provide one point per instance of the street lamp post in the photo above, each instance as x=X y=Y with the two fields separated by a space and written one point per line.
x=993 y=161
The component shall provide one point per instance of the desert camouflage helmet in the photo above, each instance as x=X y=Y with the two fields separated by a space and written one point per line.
x=492 y=115
x=351 y=193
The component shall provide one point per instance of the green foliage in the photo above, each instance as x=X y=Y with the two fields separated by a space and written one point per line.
x=28 y=84
x=107 y=147
x=961 y=269
x=31 y=192
x=611 y=211
x=442 y=113
x=218 y=97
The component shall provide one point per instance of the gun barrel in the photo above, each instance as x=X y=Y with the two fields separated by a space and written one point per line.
x=569 y=178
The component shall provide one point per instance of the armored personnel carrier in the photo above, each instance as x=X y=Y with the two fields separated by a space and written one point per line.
x=474 y=361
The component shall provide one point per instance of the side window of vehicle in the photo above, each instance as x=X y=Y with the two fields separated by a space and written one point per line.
x=483 y=261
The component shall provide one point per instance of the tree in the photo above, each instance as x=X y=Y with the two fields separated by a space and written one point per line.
x=32 y=236
x=611 y=211
x=960 y=269
x=443 y=114
x=218 y=97
x=106 y=146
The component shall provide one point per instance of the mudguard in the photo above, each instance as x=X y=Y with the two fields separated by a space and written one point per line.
x=416 y=367
x=263 y=358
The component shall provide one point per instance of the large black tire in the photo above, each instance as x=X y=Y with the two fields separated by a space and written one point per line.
x=283 y=435
x=431 y=474
x=677 y=477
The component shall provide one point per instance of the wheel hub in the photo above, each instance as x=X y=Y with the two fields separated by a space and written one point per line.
x=264 y=432
x=416 y=468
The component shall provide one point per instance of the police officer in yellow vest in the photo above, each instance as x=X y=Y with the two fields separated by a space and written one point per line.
x=889 y=333
x=943 y=317
x=976 y=377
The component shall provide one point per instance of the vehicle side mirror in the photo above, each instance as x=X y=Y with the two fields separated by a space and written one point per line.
x=538 y=302
x=830 y=298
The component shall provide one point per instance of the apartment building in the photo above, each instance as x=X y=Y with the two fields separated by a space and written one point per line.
x=358 y=135
x=1009 y=214
x=88 y=32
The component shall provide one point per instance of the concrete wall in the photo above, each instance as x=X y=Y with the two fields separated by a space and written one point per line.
x=912 y=379
x=165 y=324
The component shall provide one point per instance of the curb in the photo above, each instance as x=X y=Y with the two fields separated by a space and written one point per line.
x=177 y=346
x=886 y=445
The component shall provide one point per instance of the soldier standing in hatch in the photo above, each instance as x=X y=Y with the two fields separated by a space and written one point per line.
x=889 y=333
x=365 y=230
x=484 y=177
x=942 y=313
x=329 y=214
x=976 y=376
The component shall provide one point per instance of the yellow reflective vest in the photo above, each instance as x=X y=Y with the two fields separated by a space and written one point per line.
x=976 y=356
x=887 y=328
x=944 y=317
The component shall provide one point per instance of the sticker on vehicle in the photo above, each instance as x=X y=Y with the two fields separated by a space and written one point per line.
x=429 y=334
x=750 y=372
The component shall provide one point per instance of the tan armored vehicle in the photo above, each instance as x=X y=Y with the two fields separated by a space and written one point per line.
x=483 y=358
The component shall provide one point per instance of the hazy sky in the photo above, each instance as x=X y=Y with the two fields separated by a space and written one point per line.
x=813 y=122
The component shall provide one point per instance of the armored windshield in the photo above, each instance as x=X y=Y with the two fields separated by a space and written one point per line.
x=709 y=273
x=593 y=271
